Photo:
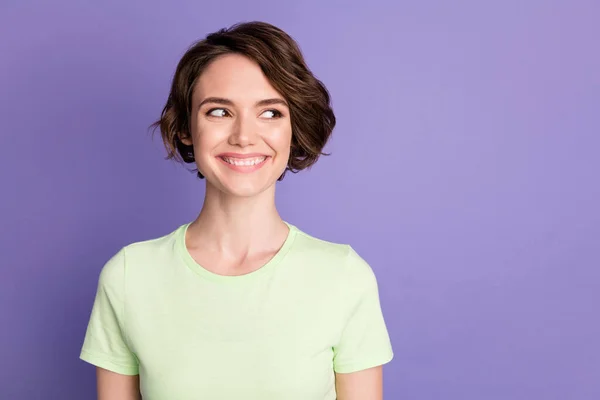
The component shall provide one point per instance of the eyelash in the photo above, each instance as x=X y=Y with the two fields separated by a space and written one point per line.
x=277 y=113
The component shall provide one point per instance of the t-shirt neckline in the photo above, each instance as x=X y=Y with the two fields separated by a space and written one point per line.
x=203 y=272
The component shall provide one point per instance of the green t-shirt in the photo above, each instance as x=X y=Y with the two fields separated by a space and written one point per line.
x=279 y=332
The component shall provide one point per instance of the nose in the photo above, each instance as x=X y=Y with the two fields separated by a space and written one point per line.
x=244 y=131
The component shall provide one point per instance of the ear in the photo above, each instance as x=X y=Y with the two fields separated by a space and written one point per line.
x=187 y=140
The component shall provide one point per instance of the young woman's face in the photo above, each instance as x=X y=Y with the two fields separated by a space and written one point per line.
x=240 y=127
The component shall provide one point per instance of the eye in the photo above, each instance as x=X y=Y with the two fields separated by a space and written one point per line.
x=270 y=114
x=217 y=112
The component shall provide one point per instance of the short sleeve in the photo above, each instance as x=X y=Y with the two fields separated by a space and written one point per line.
x=105 y=344
x=364 y=342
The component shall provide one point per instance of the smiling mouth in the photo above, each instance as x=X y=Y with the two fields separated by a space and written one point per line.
x=244 y=162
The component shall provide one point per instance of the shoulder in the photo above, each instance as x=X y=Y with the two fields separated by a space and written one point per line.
x=315 y=247
x=138 y=255
x=153 y=249
x=111 y=274
x=340 y=258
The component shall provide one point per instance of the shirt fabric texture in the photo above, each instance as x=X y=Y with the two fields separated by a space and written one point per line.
x=280 y=332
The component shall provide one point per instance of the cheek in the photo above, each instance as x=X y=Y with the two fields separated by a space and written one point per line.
x=280 y=143
x=207 y=137
x=281 y=139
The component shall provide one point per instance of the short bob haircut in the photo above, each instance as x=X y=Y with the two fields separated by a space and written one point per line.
x=281 y=60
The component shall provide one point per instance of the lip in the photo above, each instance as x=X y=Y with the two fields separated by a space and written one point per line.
x=241 y=156
x=245 y=169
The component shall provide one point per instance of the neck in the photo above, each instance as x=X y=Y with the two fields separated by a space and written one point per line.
x=234 y=225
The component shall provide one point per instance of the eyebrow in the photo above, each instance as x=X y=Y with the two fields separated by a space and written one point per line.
x=227 y=102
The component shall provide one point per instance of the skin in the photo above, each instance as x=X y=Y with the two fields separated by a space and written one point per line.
x=238 y=227
x=113 y=386
x=361 y=385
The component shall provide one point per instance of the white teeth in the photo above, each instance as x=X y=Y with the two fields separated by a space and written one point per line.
x=245 y=161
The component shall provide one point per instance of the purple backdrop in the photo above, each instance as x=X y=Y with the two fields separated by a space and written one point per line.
x=465 y=170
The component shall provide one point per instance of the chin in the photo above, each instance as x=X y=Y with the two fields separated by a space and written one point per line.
x=245 y=187
x=248 y=192
x=244 y=184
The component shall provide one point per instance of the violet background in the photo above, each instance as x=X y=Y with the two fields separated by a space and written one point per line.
x=464 y=169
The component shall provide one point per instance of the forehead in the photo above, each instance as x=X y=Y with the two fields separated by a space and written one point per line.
x=235 y=77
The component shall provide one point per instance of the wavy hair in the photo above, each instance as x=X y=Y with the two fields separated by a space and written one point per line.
x=282 y=62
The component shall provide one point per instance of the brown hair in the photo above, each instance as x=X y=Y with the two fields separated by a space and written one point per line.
x=282 y=62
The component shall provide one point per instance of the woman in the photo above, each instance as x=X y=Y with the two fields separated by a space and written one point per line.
x=239 y=304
